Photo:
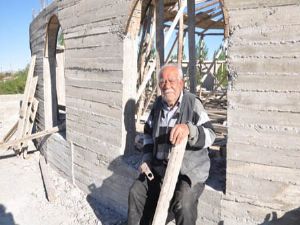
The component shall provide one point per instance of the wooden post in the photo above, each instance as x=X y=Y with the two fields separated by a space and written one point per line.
x=169 y=183
x=192 y=52
x=10 y=133
x=29 y=91
x=159 y=9
x=171 y=50
x=145 y=42
x=226 y=19
x=180 y=36
x=32 y=136
x=160 y=57
x=201 y=60
x=26 y=96
x=49 y=187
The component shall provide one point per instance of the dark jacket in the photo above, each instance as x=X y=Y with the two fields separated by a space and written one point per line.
x=196 y=162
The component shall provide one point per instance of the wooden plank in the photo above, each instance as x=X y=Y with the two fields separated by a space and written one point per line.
x=26 y=96
x=226 y=18
x=178 y=16
x=180 y=37
x=169 y=183
x=142 y=58
x=159 y=10
x=32 y=107
x=49 y=187
x=145 y=81
x=30 y=122
x=10 y=133
x=33 y=136
x=192 y=49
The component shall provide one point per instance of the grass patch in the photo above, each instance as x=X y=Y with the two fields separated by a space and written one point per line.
x=13 y=83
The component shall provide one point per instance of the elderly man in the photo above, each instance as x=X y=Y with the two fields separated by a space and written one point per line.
x=176 y=114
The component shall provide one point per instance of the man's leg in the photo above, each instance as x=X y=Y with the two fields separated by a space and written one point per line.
x=185 y=201
x=142 y=201
x=152 y=198
x=136 y=200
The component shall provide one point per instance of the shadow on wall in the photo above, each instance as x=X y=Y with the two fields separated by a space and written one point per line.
x=290 y=218
x=6 y=218
x=109 y=201
x=129 y=122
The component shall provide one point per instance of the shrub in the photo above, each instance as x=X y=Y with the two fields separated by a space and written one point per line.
x=16 y=84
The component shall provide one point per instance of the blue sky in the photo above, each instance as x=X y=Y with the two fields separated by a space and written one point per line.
x=15 y=18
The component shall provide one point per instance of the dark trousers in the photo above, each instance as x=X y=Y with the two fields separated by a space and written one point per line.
x=143 y=197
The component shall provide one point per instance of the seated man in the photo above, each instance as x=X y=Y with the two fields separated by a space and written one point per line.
x=176 y=114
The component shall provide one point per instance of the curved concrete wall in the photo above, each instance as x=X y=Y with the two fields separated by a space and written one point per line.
x=99 y=95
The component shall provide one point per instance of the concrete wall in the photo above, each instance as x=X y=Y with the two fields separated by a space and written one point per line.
x=263 y=158
x=99 y=100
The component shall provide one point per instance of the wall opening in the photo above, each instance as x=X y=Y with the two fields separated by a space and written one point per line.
x=161 y=40
x=54 y=79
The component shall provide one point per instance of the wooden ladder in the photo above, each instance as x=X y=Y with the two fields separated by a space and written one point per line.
x=22 y=129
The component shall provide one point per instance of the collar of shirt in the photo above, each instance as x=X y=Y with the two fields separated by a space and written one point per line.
x=170 y=108
x=168 y=112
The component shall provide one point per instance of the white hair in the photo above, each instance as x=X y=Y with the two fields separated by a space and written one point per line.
x=172 y=65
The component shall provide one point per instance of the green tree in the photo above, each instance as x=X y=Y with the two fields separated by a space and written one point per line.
x=60 y=38
x=222 y=73
x=201 y=51
x=16 y=84
x=201 y=55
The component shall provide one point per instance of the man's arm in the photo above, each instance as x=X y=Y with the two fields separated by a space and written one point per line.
x=148 y=139
x=201 y=132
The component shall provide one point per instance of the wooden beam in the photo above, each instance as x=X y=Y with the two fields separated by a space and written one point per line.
x=171 y=49
x=159 y=11
x=10 y=133
x=33 y=136
x=49 y=187
x=169 y=183
x=192 y=49
x=210 y=3
x=205 y=21
x=25 y=99
x=180 y=37
x=209 y=25
x=142 y=58
x=177 y=17
x=197 y=32
x=145 y=81
x=226 y=19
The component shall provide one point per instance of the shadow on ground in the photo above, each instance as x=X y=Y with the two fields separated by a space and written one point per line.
x=290 y=218
x=6 y=218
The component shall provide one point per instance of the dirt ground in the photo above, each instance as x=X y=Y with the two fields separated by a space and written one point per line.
x=23 y=200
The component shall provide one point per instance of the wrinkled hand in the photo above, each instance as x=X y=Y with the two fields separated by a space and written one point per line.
x=178 y=133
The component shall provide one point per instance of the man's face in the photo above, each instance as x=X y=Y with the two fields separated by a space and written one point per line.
x=170 y=85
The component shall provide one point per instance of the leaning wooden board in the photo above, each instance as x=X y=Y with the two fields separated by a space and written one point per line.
x=169 y=183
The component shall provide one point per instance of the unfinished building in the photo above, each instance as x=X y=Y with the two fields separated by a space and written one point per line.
x=92 y=88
